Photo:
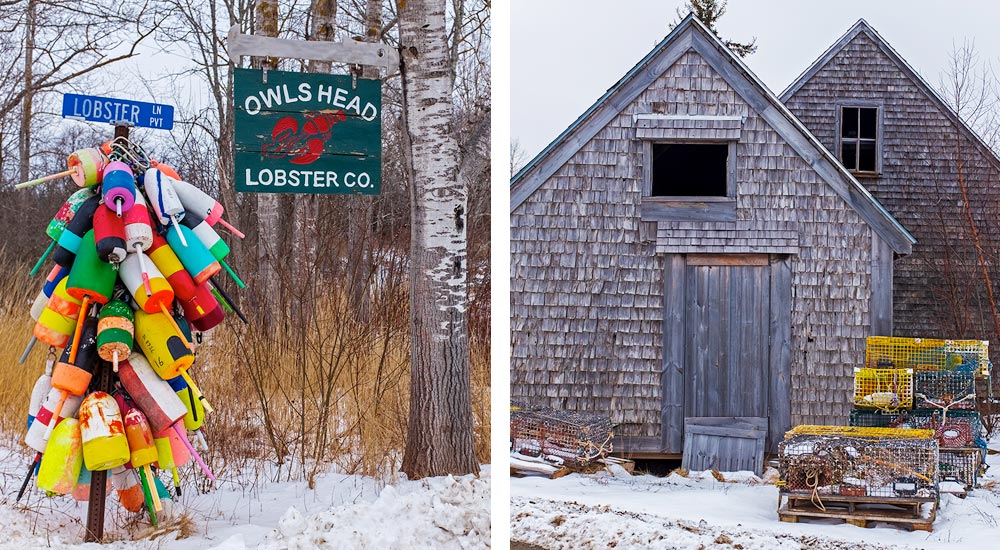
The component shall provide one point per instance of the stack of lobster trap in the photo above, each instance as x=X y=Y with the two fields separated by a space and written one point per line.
x=913 y=426
x=928 y=384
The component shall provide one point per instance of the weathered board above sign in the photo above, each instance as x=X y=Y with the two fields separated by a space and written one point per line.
x=307 y=133
x=118 y=111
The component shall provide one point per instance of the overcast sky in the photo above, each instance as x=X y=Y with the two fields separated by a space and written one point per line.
x=566 y=53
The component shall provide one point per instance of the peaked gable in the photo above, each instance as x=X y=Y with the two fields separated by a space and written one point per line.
x=690 y=35
x=861 y=30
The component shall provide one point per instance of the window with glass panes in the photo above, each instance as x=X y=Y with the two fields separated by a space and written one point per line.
x=859 y=138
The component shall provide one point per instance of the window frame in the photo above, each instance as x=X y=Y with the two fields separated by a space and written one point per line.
x=879 y=107
x=699 y=208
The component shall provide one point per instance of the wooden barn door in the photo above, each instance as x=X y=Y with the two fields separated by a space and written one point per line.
x=726 y=338
x=727 y=318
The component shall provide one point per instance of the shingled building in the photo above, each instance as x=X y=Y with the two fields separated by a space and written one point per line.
x=686 y=249
x=910 y=149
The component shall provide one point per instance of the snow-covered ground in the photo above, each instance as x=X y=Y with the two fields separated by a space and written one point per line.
x=342 y=512
x=616 y=510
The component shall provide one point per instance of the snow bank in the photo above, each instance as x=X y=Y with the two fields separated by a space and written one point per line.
x=557 y=525
x=440 y=513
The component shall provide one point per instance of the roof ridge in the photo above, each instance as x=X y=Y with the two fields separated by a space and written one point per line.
x=862 y=26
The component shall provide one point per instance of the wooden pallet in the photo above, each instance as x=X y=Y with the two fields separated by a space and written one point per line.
x=860 y=511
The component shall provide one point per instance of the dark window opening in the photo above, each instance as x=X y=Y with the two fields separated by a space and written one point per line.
x=859 y=138
x=689 y=170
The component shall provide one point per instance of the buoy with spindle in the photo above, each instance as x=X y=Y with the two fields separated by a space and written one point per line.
x=52 y=318
x=143 y=453
x=168 y=352
x=85 y=167
x=109 y=236
x=57 y=321
x=139 y=235
x=118 y=187
x=161 y=296
x=41 y=388
x=198 y=202
x=72 y=235
x=203 y=312
x=213 y=242
x=197 y=260
x=115 y=332
x=37 y=436
x=163 y=408
x=62 y=218
x=62 y=459
x=75 y=368
x=126 y=484
x=105 y=445
x=163 y=198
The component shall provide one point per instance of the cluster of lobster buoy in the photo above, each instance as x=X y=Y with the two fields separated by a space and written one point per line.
x=136 y=257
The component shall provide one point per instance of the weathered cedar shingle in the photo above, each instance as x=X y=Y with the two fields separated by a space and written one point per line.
x=615 y=284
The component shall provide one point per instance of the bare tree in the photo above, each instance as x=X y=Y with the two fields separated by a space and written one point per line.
x=439 y=431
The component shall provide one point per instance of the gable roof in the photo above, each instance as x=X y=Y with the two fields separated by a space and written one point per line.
x=862 y=26
x=691 y=34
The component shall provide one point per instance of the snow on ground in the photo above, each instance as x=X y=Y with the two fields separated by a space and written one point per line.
x=248 y=511
x=608 y=510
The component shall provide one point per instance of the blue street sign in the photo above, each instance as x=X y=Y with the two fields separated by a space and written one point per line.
x=106 y=109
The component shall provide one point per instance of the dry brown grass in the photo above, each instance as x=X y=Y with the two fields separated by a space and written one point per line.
x=333 y=392
x=17 y=292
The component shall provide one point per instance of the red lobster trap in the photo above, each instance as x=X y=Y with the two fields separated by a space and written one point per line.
x=573 y=439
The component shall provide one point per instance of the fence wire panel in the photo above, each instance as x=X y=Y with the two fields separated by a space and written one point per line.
x=928 y=354
x=945 y=389
x=884 y=389
x=860 y=466
x=574 y=438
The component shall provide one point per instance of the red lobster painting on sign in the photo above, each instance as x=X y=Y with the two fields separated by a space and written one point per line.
x=303 y=145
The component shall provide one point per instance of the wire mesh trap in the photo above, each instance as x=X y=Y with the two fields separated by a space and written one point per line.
x=928 y=354
x=888 y=463
x=957 y=428
x=883 y=389
x=961 y=466
x=945 y=389
x=574 y=438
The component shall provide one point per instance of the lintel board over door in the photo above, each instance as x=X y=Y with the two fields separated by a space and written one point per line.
x=726 y=334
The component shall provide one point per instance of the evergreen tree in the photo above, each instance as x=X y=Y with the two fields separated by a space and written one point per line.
x=709 y=12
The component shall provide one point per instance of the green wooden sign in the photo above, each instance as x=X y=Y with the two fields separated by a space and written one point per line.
x=307 y=133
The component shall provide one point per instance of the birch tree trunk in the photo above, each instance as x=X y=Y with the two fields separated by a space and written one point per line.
x=268 y=242
x=439 y=431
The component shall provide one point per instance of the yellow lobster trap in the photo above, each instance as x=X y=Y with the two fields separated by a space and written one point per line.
x=883 y=389
x=925 y=354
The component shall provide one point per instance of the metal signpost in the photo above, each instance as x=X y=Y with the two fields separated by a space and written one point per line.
x=307 y=133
